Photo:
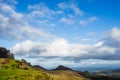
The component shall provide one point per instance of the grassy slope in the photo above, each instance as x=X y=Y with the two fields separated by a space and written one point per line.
x=64 y=75
x=10 y=71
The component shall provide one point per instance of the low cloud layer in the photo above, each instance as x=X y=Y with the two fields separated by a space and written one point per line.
x=60 y=51
x=60 y=47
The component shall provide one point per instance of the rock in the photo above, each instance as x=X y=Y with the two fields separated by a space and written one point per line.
x=23 y=65
x=4 y=53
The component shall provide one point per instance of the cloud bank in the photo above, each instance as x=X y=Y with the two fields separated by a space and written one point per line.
x=60 y=47
x=60 y=51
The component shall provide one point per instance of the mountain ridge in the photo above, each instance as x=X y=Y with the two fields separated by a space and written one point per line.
x=61 y=67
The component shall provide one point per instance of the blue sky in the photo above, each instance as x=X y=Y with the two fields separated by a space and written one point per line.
x=75 y=33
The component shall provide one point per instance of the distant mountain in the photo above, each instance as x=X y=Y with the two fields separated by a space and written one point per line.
x=61 y=67
x=116 y=70
x=108 y=72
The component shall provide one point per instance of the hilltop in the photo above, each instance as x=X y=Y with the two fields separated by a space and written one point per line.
x=61 y=67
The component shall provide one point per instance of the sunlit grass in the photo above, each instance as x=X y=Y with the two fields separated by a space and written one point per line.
x=10 y=71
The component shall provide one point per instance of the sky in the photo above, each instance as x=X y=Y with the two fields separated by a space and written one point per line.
x=74 y=33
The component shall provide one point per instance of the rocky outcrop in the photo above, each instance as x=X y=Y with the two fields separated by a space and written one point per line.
x=4 y=53
x=23 y=65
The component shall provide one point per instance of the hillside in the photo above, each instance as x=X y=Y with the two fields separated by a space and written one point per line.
x=11 y=69
x=18 y=70
x=64 y=75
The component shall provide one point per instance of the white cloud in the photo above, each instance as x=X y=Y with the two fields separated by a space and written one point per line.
x=9 y=21
x=89 y=20
x=71 y=6
x=66 y=20
x=115 y=34
x=34 y=33
x=28 y=48
x=98 y=62
x=55 y=48
x=99 y=44
x=62 y=5
x=105 y=50
x=42 y=11
x=61 y=48
x=113 y=38
x=22 y=48
x=8 y=10
x=60 y=51
x=10 y=2
x=77 y=10
x=14 y=25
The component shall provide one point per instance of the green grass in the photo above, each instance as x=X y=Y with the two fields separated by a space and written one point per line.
x=19 y=74
x=10 y=71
